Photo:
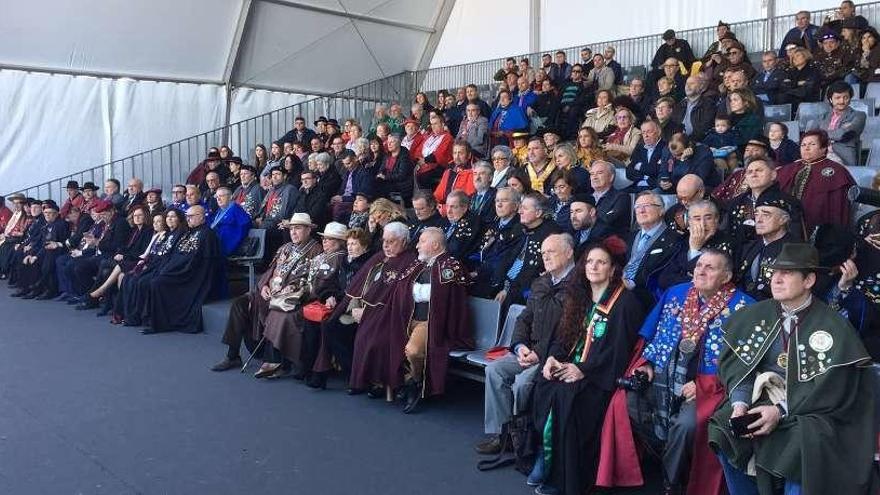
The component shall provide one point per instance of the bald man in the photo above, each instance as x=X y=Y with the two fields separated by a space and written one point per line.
x=690 y=188
x=509 y=380
x=186 y=278
x=430 y=318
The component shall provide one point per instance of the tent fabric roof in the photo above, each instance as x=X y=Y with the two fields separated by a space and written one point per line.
x=272 y=44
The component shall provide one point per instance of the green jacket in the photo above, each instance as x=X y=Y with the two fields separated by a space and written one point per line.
x=828 y=439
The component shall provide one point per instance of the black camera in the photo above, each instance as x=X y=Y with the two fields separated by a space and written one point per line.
x=637 y=382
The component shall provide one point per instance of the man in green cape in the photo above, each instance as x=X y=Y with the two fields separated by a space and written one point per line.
x=802 y=368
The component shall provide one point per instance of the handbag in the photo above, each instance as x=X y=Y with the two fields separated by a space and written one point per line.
x=519 y=436
x=316 y=312
x=496 y=353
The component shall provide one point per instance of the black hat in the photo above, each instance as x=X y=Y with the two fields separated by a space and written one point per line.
x=50 y=205
x=72 y=184
x=828 y=34
x=89 y=186
x=234 y=159
x=797 y=256
x=775 y=198
x=249 y=168
x=584 y=198
x=213 y=154
x=333 y=122
x=321 y=119
x=365 y=195
x=834 y=242
x=669 y=34
x=34 y=201
x=548 y=130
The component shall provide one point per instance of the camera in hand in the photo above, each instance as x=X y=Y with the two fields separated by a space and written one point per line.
x=637 y=382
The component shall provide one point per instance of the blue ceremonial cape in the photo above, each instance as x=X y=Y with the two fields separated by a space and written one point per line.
x=662 y=329
x=231 y=225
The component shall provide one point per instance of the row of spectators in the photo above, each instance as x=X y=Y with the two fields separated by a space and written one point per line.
x=632 y=225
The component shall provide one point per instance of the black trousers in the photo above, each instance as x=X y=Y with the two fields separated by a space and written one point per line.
x=239 y=328
x=83 y=271
x=339 y=339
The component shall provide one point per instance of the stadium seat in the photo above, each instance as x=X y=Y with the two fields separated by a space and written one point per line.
x=479 y=357
x=485 y=315
x=778 y=112
x=810 y=111
x=874 y=154
x=873 y=92
x=251 y=261
x=871 y=132
x=864 y=105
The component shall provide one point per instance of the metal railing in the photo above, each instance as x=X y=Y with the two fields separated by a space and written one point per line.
x=756 y=35
x=170 y=164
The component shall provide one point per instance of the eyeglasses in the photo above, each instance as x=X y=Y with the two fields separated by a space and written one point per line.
x=577 y=71
x=648 y=205
x=621 y=117
x=499 y=158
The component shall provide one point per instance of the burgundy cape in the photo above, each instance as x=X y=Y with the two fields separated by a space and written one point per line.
x=449 y=326
x=825 y=197
x=370 y=361
x=618 y=456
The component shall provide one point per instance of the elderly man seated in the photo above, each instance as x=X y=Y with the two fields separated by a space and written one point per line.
x=248 y=312
x=463 y=232
x=703 y=220
x=496 y=240
x=509 y=379
x=682 y=342
x=185 y=279
x=427 y=317
x=613 y=213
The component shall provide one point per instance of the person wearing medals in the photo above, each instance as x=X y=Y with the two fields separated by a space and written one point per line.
x=249 y=195
x=682 y=336
x=285 y=328
x=760 y=178
x=427 y=317
x=367 y=304
x=772 y=217
x=588 y=353
x=248 y=312
x=541 y=169
x=800 y=367
x=230 y=221
x=822 y=185
x=13 y=232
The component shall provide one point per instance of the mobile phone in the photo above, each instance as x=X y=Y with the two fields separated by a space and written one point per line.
x=740 y=425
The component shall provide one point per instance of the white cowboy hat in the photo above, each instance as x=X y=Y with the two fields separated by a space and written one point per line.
x=335 y=230
x=301 y=219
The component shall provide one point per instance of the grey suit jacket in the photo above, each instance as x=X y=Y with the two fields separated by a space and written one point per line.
x=845 y=139
x=477 y=135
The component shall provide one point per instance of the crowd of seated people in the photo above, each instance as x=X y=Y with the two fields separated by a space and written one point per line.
x=658 y=309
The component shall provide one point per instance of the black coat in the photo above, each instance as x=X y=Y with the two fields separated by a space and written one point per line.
x=529 y=250
x=399 y=180
x=655 y=260
x=613 y=215
x=702 y=116
x=417 y=226
x=329 y=182
x=463 y=237
x=537 y=323
x=680 y=50
x=315 y=203
x=486 y=210
x=681 y=269
x=115 y=237
x=771 y=86
x=496 y=242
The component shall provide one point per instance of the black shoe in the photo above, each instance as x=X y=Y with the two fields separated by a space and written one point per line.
x=19 y=293
x=104 y=312
x=227 y=364
x=354 y=391
x=29 y=295
x=376 y=392
x=413 y=398
x=317 y=381
x=75 y=300
x=300 y=375
x=46 y=296
x=489 y=446
x=88 y=304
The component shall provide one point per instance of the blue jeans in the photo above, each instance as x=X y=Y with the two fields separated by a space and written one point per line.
x=739 y=483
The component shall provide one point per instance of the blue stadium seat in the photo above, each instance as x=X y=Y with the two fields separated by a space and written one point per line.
x=485 y=316
x=479 y=357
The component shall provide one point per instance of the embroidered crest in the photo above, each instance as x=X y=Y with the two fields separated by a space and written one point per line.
x=447 y=274
x=821 y=341
x=827 y=172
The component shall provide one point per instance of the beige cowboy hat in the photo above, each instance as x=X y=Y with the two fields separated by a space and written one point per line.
x=335 y=230
x=301 y=219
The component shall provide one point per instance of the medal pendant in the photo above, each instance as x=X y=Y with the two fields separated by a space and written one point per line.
x=782 y=360
x=687 y=346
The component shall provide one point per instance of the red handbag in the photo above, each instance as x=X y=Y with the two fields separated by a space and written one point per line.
x=316 y=312
x=497 y=353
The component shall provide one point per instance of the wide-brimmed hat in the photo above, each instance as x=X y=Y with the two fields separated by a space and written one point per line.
x=155 y=190
x=17 y=197
x=335 y=230
x=72 y=184
x=89 y=186
x=50 y=205
x=301 y=219
x=797 y=256
x=321 y=119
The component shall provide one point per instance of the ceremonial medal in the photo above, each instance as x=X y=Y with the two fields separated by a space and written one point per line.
x=782 y=360
x=687 y=346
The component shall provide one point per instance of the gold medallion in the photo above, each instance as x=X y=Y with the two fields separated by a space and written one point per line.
x=782 y=360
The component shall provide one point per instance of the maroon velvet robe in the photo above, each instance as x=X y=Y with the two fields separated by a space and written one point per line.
x=825 y=197
x=370 y=361
x=449 y=325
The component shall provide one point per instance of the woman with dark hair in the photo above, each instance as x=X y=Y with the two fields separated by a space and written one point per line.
x=869 y=59
x=261 y=157
x=519 y=181
x=132 y=304
x=744 y=115
x=601 y=117
x=590 y=351
x=422 y=99
x=294 y=167
x=375 y=155
x=560 y=203
x=782 y=149
x=226 y=152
